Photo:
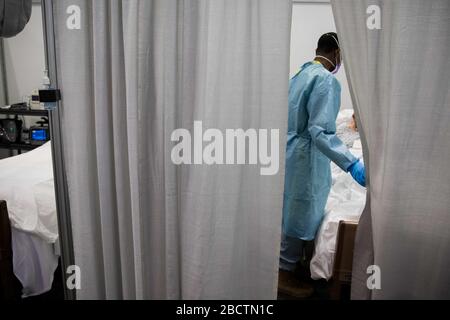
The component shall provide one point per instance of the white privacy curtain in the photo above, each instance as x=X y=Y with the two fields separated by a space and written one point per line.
x=130 y=75
x=400 y=83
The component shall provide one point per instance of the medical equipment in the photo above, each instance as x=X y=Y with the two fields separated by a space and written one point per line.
x=25 y=139
x=22 y=142
x=48 y=97
x=23 y=106
x=10 y=130
x=35 y=102
x=40 y=134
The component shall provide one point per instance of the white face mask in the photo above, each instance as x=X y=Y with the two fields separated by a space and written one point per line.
x=336 y=65
x=337 y=68
x=333 y=64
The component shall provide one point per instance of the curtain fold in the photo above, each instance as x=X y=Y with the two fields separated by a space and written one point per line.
x=134 y=72
x=401 y=93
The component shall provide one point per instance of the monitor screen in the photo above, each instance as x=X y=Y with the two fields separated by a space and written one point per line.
x=39 y=135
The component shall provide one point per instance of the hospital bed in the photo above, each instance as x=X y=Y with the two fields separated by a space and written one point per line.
x=333 y=254
x=28 y=221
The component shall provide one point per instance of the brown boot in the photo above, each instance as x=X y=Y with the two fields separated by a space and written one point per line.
x=289 y=285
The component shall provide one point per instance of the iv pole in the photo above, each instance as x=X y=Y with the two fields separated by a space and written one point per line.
x=55 y=119
x=3 y=70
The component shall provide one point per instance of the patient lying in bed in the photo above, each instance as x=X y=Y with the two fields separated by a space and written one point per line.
x=346 y=202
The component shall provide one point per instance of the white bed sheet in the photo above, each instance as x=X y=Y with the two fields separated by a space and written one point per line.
x=345 y=203
x=34 y=263
x=26 y=184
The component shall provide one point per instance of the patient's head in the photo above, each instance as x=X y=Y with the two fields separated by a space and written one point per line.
x=353 y=125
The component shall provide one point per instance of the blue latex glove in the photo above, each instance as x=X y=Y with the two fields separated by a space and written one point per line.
x=358 y=172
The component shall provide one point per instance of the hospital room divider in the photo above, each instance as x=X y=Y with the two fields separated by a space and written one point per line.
x=128 y=224
x=401 y=99
x=396 y=60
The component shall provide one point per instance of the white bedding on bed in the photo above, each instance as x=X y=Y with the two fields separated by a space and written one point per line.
x=345 y=203
x=26 y=183
x=34 y=263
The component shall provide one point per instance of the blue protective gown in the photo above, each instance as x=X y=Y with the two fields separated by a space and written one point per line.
x=314 y=103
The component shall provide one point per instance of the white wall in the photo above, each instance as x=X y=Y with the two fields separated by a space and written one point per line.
x=309 y=22
x=25 y=58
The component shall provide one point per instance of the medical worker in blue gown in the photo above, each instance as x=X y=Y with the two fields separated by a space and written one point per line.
x=314 y=103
